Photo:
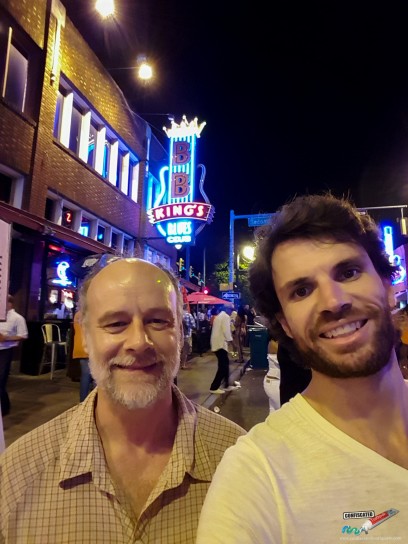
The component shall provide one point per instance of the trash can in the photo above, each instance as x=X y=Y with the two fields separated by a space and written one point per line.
x=258 y=346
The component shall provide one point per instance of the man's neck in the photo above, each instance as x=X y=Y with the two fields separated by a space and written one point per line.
x=148 y=427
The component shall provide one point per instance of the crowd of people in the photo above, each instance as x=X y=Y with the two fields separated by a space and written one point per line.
x=138 y=461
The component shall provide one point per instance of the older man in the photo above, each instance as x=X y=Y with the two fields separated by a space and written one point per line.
x=133 y=462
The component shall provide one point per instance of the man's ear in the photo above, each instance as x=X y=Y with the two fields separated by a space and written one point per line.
x=284 y=324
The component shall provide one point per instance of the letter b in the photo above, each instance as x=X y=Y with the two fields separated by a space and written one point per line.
x=180 y=186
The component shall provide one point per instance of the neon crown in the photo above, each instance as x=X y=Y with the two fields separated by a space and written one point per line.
x=185 y=128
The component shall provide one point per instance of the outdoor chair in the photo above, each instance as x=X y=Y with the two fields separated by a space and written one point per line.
x=52 y=341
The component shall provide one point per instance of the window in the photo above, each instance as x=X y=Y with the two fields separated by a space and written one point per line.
x=106 y=158
x=101 y=233
x=92 y=144
x=119 y=169
x=75 y=129
x=49 y=209
x=67 y=217
x=114 y=240
x=81 y=129
x=16 y=83
x=5 y=188
x=85 y=227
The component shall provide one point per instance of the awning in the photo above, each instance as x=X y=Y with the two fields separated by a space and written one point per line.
x=48 y=228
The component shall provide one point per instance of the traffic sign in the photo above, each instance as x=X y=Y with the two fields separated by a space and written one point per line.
x=259 y=219
x=230 y=295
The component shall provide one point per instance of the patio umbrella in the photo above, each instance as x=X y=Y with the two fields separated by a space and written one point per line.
x=201 y=298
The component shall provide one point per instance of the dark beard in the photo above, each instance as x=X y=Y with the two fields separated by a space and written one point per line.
x=376 y=359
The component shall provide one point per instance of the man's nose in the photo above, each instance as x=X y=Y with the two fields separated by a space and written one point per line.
x=136 y=337
x=333 y=297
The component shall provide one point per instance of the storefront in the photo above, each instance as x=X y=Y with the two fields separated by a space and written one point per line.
x=41 y=255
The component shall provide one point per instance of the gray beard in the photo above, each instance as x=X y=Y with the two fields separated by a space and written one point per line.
x=376 y=358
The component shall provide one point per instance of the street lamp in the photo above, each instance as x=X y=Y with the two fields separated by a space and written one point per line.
x=144 y=69
x=105 y=8
x=248 y=255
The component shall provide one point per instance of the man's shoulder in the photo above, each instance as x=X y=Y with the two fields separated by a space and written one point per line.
x=217 y=428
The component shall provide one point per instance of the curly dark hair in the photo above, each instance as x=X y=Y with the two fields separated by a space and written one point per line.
x=320 y=217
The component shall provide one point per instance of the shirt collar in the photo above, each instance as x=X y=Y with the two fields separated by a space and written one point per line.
x=82 y=451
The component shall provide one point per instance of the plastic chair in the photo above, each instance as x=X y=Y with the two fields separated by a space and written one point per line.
x=52 y=341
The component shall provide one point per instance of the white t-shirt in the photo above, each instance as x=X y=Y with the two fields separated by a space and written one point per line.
x=15 y=325
x=298 y=479
x=221 y=332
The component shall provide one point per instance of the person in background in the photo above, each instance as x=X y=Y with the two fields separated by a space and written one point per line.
x=86 y=383
x=233 y=317
x=213 y=312
x=294 y=376
x=221 y=339
x=12 y=332
x=324 y=280
x=133 y=461
x=271 y=380
x=189 y=324
x=240 y=332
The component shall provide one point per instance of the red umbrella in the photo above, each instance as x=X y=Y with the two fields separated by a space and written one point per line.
x=201 y=298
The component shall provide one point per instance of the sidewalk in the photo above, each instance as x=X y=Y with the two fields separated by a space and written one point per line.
x=36 y=399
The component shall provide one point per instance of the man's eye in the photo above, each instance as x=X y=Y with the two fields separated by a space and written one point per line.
x=157 y=322
x=301 y=292
x=350 y=273
x=115 y=325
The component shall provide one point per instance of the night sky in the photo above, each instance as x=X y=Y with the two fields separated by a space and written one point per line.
x=298 y=96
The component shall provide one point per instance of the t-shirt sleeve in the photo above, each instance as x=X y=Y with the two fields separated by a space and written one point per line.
x=239 y=506
x=22 y=328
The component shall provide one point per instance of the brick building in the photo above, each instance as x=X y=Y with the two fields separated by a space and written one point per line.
x=75 y=161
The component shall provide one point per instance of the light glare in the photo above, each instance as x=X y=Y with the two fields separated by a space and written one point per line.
x=145 y=71
x=105 y=7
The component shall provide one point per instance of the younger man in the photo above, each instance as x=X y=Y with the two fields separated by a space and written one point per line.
x=332 y=463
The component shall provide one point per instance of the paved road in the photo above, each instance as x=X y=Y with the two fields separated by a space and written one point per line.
x=37 y=399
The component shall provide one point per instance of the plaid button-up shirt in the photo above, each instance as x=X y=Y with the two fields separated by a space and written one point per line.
x=55 y=486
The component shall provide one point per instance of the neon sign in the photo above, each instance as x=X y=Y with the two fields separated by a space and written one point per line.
x=388 y=238
x=62 y=274
x=173 y=207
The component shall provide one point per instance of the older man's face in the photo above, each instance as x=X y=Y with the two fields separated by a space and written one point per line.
x=132 y=333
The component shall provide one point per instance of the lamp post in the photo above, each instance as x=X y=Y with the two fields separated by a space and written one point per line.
x=248 y=255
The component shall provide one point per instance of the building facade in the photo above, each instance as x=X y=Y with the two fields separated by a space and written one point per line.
x=75 y=160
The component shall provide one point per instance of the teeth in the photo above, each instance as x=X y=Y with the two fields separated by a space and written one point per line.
x=345 y=329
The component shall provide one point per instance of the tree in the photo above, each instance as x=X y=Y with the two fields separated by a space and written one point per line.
x=221 y=275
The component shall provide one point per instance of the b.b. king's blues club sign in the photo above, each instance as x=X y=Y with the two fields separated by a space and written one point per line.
x=180 y=209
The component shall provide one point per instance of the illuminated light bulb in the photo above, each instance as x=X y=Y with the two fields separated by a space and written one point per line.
x=145 y=71
x=105 y=7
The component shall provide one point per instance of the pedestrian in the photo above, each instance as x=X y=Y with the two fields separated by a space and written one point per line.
x=294 y=375
x=12 y=332
x=189 y=324
x=271 y=380
x=323 y=279
x=133 y=461
x=86 y=382
x=233 y=317
x=241 y=332
x=220 y=340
